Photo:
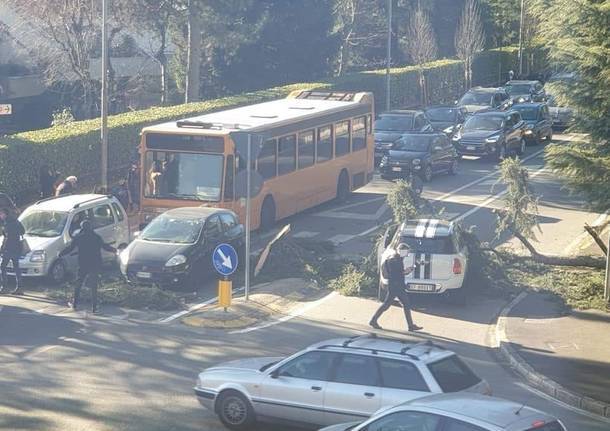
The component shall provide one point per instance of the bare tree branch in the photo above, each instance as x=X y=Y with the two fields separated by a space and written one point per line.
x=469 y=38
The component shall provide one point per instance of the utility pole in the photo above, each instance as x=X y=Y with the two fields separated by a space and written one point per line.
x=388 y=58
x=607 y=281
x=521 y=40
x=193 y=54
x=248 y=210
x=104 y=112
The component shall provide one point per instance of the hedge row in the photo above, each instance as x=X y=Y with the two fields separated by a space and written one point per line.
x=74 y=149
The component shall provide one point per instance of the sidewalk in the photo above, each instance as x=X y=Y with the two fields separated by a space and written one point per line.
x=568 y=348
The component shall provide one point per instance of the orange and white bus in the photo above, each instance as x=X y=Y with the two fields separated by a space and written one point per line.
x=309 y=148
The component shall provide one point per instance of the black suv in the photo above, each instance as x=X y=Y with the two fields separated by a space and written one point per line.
x=525 y=91
x=391 y=125
x=424 y=154
x=478 y=98
x=491 y=133
x=446 y=119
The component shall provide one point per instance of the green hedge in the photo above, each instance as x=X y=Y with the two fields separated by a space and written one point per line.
x=74 y=149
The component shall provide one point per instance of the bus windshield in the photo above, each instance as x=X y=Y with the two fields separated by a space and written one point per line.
x=189 y=176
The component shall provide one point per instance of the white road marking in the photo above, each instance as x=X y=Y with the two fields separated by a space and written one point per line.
x=499 y=335
x=296 y=313
x=492 y=198
x=355 y=216
x=355 y=204
x=341 y=238
x=193 y=308
x=305 y=234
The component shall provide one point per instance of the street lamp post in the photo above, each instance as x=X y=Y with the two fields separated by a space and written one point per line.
x=104 y=134
x=521 y=39
x=388 y=57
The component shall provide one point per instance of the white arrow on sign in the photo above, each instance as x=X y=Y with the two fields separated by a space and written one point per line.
x=226 y=261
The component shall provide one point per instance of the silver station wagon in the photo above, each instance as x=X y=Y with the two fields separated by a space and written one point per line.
x=333 y=381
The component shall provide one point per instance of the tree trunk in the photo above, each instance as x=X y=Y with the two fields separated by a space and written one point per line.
x=193 y=65
x=586 y=261
x=164 y=82
x=596 y=238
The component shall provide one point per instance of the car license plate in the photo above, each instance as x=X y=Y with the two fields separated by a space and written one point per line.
x=143 y=274
x=421 y=287
x=397 y=169
x=471 y=148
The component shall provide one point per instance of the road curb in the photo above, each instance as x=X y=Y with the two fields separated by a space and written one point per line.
x=534 y=378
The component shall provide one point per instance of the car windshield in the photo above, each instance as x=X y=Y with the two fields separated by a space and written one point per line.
x=518 y=88
x=476 y=98
x=394 y=123
x=167 y=228
x=413 y=143
x=190 y=176
x=452 y=374
x=441 y=114
x=47 y=224
x=528 y=112
x=483 y=122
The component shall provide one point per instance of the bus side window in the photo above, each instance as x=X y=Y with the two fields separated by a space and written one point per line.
x=307 y=141
x=325 y=143
x=358 y=133
x=229 y=175
x=267 y=159
x=287 y=154
x=342 y=138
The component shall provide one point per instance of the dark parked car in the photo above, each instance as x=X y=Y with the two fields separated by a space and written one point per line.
x=538 y=123
x=424 y=154
x=446 y=119
x=390 y=126
x=491 y=133
x=176 y=247
x=525 y=91
x=479 y=98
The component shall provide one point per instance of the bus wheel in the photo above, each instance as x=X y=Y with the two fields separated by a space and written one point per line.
x=267 y=214
x=343 y=187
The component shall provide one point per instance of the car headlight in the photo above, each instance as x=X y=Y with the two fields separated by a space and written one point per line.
x=384 y=160
x=124 y=257
x=528 y=131
x=176 y=260
x=38 y=256
x=448 y=130
x=416 y=161
x=492 y=139
x=457 y=136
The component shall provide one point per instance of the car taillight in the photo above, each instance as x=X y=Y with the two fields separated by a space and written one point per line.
x=538 y=424
x=457 y=266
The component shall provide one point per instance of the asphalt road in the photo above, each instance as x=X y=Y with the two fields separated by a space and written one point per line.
x=61 y=370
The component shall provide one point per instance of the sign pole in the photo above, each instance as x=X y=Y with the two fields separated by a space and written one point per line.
x=607 y=283
x=104 y=134
x=388 y=58
x=248 y=221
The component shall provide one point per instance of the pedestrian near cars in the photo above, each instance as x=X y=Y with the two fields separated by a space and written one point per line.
x=90 y=246
x=11 y=250
x=133 y=186
x=47 y=180
x=394 y=271
x=67 y=186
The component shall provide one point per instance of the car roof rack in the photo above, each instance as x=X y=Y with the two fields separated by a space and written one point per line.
x=373 y=350
x=426 y=343
x=327 y=95
x=78 y=205
x=50 y=198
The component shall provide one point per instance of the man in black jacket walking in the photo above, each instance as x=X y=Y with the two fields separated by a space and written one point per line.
x=11 y=249
x=393 y=270
x=90 y=246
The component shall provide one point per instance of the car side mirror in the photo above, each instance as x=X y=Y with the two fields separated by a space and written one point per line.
x=137 y=233
x=455 y=102
x=274 y=374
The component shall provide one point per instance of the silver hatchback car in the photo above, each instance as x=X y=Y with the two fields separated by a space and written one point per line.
x=456 y=412
x=51 y=223
x=332 y=382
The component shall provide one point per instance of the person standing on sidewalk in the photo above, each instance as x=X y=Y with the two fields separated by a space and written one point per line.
x=90 y=246
x=11 y=249
x=394 y=271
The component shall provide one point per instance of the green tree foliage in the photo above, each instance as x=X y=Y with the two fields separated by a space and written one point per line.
x=501 y=21
x=403 y=201
x=577 y=36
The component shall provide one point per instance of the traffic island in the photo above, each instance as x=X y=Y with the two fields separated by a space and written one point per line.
x=267 y=302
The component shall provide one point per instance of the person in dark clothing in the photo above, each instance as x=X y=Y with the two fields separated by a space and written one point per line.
x=47 y=182
x=68 y=186
x=133 y=186
x=11 y=249
x=90 y=246
x=393 y=270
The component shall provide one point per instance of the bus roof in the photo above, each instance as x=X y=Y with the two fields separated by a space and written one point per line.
x=262 y=117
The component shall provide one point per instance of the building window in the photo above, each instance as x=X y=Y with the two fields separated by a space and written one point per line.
x=287 y=154
x=267 y=158
x=358 y=133
x=325 y=143
x=306 y=148
x=342 y=138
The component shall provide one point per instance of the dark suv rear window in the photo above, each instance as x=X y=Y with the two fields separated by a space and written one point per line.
x=452 y=374
x=551 y=426
x=441 y=245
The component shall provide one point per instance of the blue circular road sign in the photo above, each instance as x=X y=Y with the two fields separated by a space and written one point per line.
x=224 y=259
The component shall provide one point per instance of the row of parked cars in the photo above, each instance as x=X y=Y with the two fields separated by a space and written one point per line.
x=363 y=383
x=484 y=122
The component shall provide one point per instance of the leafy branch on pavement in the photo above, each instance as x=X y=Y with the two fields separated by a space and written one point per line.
x=520 y=216
x=403 y=201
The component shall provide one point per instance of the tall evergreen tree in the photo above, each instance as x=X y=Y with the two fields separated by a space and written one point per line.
x=577 y=36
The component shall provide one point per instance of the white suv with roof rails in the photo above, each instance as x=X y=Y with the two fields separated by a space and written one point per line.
x=437 y=254
x=456 y=412
x=332 y=381
x=51 y=223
